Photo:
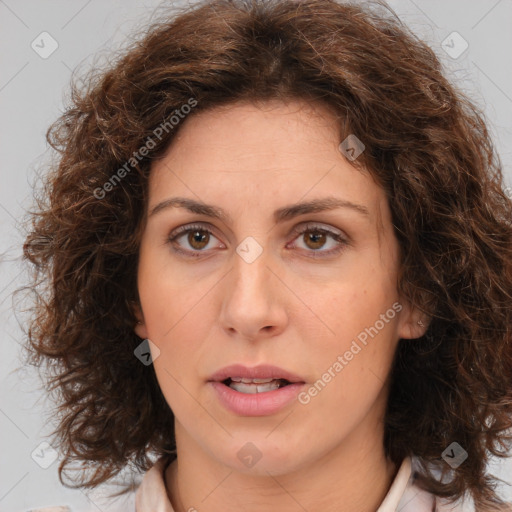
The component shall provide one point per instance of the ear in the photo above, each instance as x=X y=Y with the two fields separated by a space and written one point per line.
x=413 y=323
x=140 y=327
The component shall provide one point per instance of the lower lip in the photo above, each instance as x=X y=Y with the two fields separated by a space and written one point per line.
x=256 y=404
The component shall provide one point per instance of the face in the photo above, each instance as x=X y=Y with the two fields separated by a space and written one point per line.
x=299 y=301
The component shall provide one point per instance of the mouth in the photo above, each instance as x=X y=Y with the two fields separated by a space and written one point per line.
x=255 y=391
x=256 y=379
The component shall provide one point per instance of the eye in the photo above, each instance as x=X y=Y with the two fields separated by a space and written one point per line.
x=315 y=238
x=198 y=238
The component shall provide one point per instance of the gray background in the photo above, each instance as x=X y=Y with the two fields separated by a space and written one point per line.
x=31 y=97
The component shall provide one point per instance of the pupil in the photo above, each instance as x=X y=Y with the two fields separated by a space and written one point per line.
x=197 y=238
x=318 y=240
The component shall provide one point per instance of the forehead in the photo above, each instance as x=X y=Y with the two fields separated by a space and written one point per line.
x=262 y=156
x=272 y=128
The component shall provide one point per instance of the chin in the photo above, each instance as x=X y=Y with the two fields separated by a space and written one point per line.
x=258 y=455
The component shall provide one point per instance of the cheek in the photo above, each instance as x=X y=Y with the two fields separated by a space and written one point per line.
x=356 y=303
x=176 y=323
x=352 y=366
x=171 y=300
x=362 y=318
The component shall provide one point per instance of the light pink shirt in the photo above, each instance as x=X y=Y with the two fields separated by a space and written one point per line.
x=403 y=495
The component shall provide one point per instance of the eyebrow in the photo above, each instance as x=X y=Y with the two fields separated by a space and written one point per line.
x=280 y=215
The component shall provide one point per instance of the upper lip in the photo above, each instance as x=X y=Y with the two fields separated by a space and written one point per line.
x=263 y=371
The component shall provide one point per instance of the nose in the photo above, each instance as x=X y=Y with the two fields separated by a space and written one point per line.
x=255 y=297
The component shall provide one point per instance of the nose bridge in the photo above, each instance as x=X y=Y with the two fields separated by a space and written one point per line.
x=250 y=276
x=251 y=302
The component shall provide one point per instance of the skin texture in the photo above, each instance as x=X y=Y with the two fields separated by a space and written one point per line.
x=286 y=308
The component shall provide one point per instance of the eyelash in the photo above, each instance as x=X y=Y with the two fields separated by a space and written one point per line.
x=182 y=230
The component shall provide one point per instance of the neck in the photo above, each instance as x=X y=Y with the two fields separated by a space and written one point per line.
x=353 y=476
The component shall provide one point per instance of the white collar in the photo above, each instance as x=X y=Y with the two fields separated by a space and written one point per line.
x=152 y=496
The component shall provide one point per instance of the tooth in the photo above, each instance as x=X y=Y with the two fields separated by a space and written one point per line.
x=250 y=381
x=253 y=388
x=270 y=386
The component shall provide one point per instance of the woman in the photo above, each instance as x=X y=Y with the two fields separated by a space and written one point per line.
x=278 y=252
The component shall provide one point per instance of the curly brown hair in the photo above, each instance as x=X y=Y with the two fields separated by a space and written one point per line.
x=426 y=144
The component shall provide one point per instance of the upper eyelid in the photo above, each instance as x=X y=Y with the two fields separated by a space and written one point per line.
x=304 y=226
x=180 y=230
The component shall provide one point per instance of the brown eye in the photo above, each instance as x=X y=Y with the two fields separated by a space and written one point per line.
x=316 y=238
x=193 y=240
x=318 y=242
x=198 y=238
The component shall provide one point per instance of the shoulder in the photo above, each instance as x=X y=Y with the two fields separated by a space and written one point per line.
x=415 y=499
x=100 y=499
